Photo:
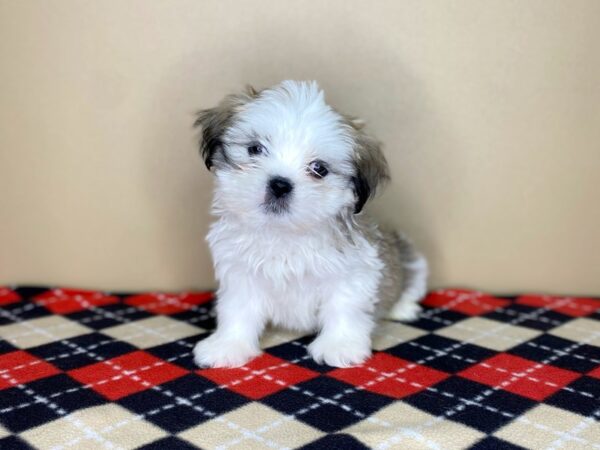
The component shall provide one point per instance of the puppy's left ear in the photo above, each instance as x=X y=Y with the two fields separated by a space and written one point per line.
x=215 y=122
x=371 y=166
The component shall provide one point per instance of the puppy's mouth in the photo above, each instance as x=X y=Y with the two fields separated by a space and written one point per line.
x=277 y=206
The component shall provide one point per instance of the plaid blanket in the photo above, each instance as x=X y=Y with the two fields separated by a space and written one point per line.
x=82 y=369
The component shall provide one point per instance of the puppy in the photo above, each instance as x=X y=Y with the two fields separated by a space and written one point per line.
x=290 y=244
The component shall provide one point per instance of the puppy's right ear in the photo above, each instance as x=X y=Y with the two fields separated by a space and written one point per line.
x=214 y=122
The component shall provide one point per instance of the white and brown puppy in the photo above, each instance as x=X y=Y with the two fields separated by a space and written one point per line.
x=290 y=244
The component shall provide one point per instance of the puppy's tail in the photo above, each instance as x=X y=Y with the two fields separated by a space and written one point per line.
x=414 y=280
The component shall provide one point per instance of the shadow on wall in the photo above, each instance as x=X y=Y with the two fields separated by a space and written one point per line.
x=363 y=84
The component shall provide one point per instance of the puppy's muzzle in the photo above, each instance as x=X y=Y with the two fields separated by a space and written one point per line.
x=280 y=187
x=277 y=195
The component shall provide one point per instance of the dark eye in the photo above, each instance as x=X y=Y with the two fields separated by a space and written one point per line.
x=255 y=149
x=318 y=169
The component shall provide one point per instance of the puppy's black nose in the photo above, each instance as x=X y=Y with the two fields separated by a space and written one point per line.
x=280 y=187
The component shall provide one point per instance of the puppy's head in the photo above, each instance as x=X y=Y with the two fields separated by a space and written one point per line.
x=283 y=155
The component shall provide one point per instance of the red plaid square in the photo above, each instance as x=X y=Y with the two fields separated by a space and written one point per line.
x=467 y=302
x=594 y=373
x=262 y=376
x=20 y=367
x=571 y=306
x=127 y=374
x=65 y=301
x=520 y=376
x=387 y=375
x=8 y=296
x=159 y=303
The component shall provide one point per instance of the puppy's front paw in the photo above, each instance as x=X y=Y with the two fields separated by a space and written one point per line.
x=338 y=352
x=217 y=351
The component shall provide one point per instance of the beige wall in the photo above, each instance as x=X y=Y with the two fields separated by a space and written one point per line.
x=489 y=111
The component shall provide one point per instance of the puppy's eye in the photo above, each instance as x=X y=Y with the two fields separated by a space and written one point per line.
x=255 y=149
x=318 y=169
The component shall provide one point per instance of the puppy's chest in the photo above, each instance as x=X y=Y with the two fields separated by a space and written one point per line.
x=280 y=259
x=294 y=306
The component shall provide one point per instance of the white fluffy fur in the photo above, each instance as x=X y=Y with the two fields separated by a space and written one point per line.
x=289 y=269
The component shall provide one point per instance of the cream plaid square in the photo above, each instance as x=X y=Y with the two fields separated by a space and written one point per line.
x=3 y=432
x=488 y=333
x=400 y=426
x=31 y=333
x=253 y=426
x=100 y=427
x=152 y=332
x=278 y=336
x=548 y=427
x=387 y=334
x=580 y=330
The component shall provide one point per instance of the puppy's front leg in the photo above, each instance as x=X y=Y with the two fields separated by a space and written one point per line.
x=346 y=324
x=240 y=321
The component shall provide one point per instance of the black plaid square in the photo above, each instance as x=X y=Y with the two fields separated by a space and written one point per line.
x=547 y=346
x=178 y=352
x=28 y=292
x=493 y=443
x=6 y=347
x=168 y=443
x=527 y=316
x=42 y=401
x=431 y=320
x=203 y=320
x=327 y=404
x=107 y=316
x=20 y=312
x=338 y=441
x=297 y=351
x=441 y=353
x=14 y=443
x=473 y=404
x=582 y=396
x=182 y=403
x=77 y=352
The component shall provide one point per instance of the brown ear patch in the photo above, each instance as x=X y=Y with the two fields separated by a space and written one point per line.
x=215 y=121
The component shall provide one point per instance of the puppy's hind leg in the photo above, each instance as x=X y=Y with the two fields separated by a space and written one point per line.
x=414 y=279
